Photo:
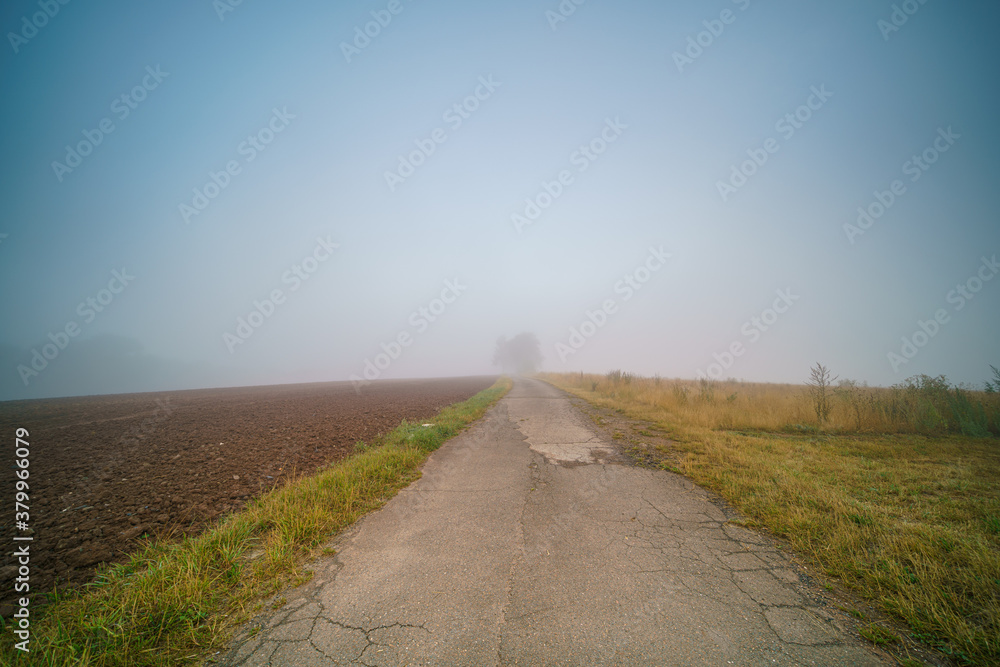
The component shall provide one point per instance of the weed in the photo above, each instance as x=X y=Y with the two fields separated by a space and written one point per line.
x=876 y=634
x=853 y=612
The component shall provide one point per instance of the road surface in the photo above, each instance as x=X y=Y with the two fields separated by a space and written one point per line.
x=528 y=542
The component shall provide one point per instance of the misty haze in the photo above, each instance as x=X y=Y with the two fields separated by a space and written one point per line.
x=413 y=322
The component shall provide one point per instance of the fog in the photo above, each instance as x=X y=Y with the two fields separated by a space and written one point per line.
x=216 y=194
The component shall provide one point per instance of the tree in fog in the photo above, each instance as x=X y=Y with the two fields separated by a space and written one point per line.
x=521 y=354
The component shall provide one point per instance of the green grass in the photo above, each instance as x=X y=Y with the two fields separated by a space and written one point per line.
x=878 y=635
x=908 y=521
x=173 y=602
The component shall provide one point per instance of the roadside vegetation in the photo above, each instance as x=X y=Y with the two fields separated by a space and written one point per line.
x=893 y=491
x=176 y=602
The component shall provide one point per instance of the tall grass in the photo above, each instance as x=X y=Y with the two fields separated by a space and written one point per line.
x=890 y=497
x=922 y=404
x=173 y=601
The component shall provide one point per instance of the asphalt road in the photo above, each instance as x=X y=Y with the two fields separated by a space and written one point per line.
x=528 y=542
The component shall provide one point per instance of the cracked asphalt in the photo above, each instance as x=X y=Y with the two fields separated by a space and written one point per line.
x=529 y=541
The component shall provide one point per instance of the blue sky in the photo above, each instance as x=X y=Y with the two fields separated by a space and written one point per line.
x=554 y=86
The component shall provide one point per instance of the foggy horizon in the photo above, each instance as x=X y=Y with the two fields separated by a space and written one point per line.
x=216 y=194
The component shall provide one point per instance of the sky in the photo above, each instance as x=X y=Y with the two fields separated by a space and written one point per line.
x=204 y=194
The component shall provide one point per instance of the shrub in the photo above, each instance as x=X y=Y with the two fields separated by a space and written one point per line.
x=994 y=387
x=819 y=383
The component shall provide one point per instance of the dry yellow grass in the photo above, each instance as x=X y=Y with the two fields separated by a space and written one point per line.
x=910 y=521
x=734 y=405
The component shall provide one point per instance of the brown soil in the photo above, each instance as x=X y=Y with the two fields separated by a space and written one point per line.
x=105 y=471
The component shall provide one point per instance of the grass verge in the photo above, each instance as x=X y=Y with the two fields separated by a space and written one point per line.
x=172 y=602
x=908 y=521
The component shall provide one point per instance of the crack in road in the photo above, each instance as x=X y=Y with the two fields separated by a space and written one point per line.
x=508 y=556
